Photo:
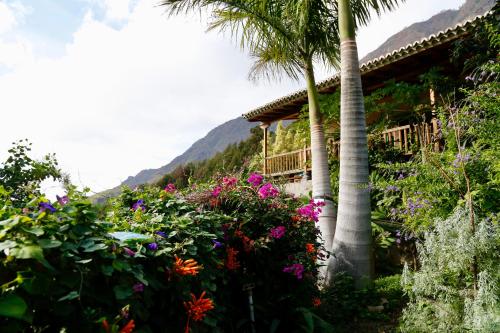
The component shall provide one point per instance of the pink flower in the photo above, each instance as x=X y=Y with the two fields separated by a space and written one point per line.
x=311 y=211
x=138 y=287
x=170 y=188
x=268 y=190
x=255 y=179
x=295 y=269
x=129 y=251
x=229 y=181
x=216 y=191
x=277 y=232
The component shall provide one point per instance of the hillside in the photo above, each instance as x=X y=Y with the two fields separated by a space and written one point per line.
x=438 y=22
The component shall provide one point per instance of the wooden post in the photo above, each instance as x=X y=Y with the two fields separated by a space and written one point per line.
x=435 y=130
x=264 y=127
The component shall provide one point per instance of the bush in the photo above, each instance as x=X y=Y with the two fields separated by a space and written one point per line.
x=442 y=293
x=72 y=266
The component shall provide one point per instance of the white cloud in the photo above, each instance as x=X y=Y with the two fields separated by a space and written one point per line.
x=14 y=50
x=124 y=100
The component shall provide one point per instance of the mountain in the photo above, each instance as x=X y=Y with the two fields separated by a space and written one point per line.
x=438 y=22
x=215 y=141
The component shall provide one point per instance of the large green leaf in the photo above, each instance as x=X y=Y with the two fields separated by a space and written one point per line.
x=49 y=243
x=126 y=236
x=28 y=252
x=12 y=306
x=123 y=291
x=8 y=244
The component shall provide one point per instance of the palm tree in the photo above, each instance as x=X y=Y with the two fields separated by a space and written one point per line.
x=352 y=245
x=288 y=36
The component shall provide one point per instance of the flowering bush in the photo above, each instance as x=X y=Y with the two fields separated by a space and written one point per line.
x=174 y=261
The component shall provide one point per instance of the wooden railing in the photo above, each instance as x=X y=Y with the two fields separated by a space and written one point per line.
x=404 y=138
x=289 y=163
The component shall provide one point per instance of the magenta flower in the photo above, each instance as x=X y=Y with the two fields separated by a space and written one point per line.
x=138 y=287
x=129 y=251
x=170 y=188
x=277 y=232
x=62 y=200
x=255 y=179
x=139 y=205
x=46 y=206
x=295 y=269
x=268 y=190
x=229 y=181
x=311 y=211
x=216 y=191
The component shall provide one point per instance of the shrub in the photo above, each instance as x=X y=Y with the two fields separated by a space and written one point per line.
x=161 y=258
x=442 y=293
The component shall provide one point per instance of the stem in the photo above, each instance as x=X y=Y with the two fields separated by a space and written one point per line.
x=467 y=196
x=346 y=21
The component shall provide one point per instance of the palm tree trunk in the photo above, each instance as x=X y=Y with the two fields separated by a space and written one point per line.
x=321 y=187
x=352 y=245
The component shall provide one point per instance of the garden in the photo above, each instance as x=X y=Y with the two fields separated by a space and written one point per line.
x=209 y=249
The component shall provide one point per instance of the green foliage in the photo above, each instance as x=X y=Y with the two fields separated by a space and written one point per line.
x=21 y=175
x=347 y=307
x=442 y=292
x=71 y=265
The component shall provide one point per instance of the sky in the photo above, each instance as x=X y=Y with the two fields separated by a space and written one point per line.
x=113 y=87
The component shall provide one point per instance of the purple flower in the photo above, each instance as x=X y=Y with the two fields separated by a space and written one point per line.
x=401 y=176
x=216 y=191
x=392 y=188
x=153 y=246
x=170 y=188
x=255 y=179
x=295 y=269
x=139 y=204
x=129 y=251
x=161 y=233
x=268 y=190
x=62 y=200
x=277 y=232
x=461 y=158
x=46 y=206
x=217 y=244
x=138 y=287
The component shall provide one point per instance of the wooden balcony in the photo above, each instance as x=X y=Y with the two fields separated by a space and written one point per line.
x=407 y=138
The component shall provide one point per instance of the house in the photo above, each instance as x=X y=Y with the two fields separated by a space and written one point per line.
x=403 y=65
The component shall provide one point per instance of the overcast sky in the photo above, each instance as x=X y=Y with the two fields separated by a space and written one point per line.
x=114 y=86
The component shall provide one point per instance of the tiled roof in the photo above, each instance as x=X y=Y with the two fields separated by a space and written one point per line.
x=404 y=52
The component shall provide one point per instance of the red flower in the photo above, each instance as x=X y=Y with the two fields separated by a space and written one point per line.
x=128 y=328
x=316 y=302
x=232 y=262
x=310 y=248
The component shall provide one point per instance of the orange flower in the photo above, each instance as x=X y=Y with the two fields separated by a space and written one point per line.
x=310 y=248
x=248 y=243
x=316 y=302
x=232 y=262
x=128 y=327
x=187 y=267
x=295 y=218
x=197 y=308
